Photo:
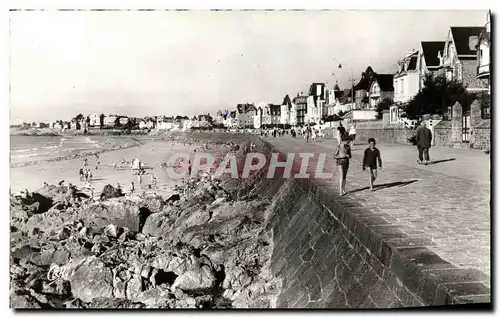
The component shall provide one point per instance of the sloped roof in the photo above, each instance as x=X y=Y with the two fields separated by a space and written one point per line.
x=346 y=96
x=250 y=107
x=287 y=101
x=336 y=88
x=461 y=36
x=430 y=51
x=300 y=100
x=275 y=108
x=365 y=81
x=412 y=66
x=385 y=81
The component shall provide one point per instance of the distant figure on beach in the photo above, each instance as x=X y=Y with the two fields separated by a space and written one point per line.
x=423 y=139
x=352 y=134
x=131 y=187
x=343 y=155
x=340 y=134
x=85 y=162
x=45 y=184
x=81 y=174
x=313 y=134
x=114 y=165
x=370 y=160
x=90 y=176
x=139 y=178
x=307 y=134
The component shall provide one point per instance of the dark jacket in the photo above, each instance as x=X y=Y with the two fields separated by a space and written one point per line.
x=424 y=137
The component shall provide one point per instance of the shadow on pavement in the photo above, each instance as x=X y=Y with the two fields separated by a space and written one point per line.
x=393 y=184
x=439 y=161
x=384 y=186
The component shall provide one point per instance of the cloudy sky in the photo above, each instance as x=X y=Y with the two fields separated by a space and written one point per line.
x=165 y=63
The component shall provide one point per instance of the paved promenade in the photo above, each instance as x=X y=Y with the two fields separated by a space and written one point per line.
x=447 y=202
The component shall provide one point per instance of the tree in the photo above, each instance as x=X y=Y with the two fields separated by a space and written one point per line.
x=438 y=93
x=385 y=104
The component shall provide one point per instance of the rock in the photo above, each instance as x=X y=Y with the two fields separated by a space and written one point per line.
x=23 y=302
x=134 y=287
x=158 y=224
x=111 y=231
x=153 y=203
x=155 y=297
x=121 y=213
x=110 y=192
x=114 y=303
x=228 y=293
x=59 y=287
x=236 y=278
x=64 y=234
x=140 y=236
x=174 y=197
x=196 y=280
x=91 y=279
x=39 y=203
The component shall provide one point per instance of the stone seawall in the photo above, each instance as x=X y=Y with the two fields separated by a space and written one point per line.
x=331 y=253
x=336 y=255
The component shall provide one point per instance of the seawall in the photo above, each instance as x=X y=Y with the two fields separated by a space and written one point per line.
x=331 y=252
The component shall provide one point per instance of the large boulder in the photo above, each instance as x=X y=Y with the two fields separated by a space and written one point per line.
x=121 y=213
x=153 y=203
x=91 y=279
x=109 y=192
x=114 y=303
x=198 y=279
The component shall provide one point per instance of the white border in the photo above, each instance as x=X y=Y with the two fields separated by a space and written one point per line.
x=200 y=4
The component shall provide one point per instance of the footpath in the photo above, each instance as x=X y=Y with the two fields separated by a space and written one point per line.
x=444 y=206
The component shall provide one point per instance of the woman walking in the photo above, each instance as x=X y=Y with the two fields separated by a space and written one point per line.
x=343 y=155
x=352 y=134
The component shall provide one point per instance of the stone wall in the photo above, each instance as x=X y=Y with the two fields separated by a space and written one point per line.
x=331 y=254
x=442 y=134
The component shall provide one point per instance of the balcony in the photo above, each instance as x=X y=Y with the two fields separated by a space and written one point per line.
x=483 y=71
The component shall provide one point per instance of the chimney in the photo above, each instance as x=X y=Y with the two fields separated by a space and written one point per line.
x=473 y=42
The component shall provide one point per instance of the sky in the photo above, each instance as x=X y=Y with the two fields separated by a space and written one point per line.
x=146 y=63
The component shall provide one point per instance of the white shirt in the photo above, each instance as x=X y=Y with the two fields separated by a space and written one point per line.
x=352 y=131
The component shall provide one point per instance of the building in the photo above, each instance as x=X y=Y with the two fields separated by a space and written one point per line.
x=315 y=103
x=362 y=88
x=96 y=120
x=165 y=123
x=459 y=58
x=484 y=52
x=204 y=120
x=407 y=79
x=428 y=60
x=257 y=120
x=301 y=109
x=245 y=114
x=266 y=115
x=275 y=111
x=57 y=124
x=123 y=120
x=110 y=121
x=286 y=108
x=345 y=102
x=381 y=88
x=75 y=124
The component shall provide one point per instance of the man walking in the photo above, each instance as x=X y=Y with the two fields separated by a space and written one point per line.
x=423 y=138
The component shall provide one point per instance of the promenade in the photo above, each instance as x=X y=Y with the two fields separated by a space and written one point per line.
x=445 y=205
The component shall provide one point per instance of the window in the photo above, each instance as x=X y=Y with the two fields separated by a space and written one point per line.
x=402 y=86
x=459 y=72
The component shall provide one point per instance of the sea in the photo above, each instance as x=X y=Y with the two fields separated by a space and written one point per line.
x=37 y=149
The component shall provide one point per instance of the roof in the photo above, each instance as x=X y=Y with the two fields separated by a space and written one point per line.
x=385 y=81
x=312 y=89
x=250 y=107
x=275 y=108
x=412 y=66
x=461 y=37
x=336 y=87
x=365 y=81
x=346 y=96
x=287 y=101
x=300 y=100
x=243 y=108
x=430 y=51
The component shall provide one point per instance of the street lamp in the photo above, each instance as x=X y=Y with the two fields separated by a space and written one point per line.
x=352 y=82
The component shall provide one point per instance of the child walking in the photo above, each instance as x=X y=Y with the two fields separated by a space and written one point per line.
x=370 y=159
x=343 y=155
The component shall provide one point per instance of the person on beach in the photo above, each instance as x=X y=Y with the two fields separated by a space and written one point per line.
x=370 y=160
x=85 y=162
x=139 y=178
x=423 y=139
x=343 y=155
x=90 y=176
x=313 y=134
x=308 y=133
x=85 y=175
x=114 y=165
x=340 y=134
x=131 y=187
x=352 y=134
x=81 y=174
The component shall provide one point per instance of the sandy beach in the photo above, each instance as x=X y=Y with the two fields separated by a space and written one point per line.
x=152 y=153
